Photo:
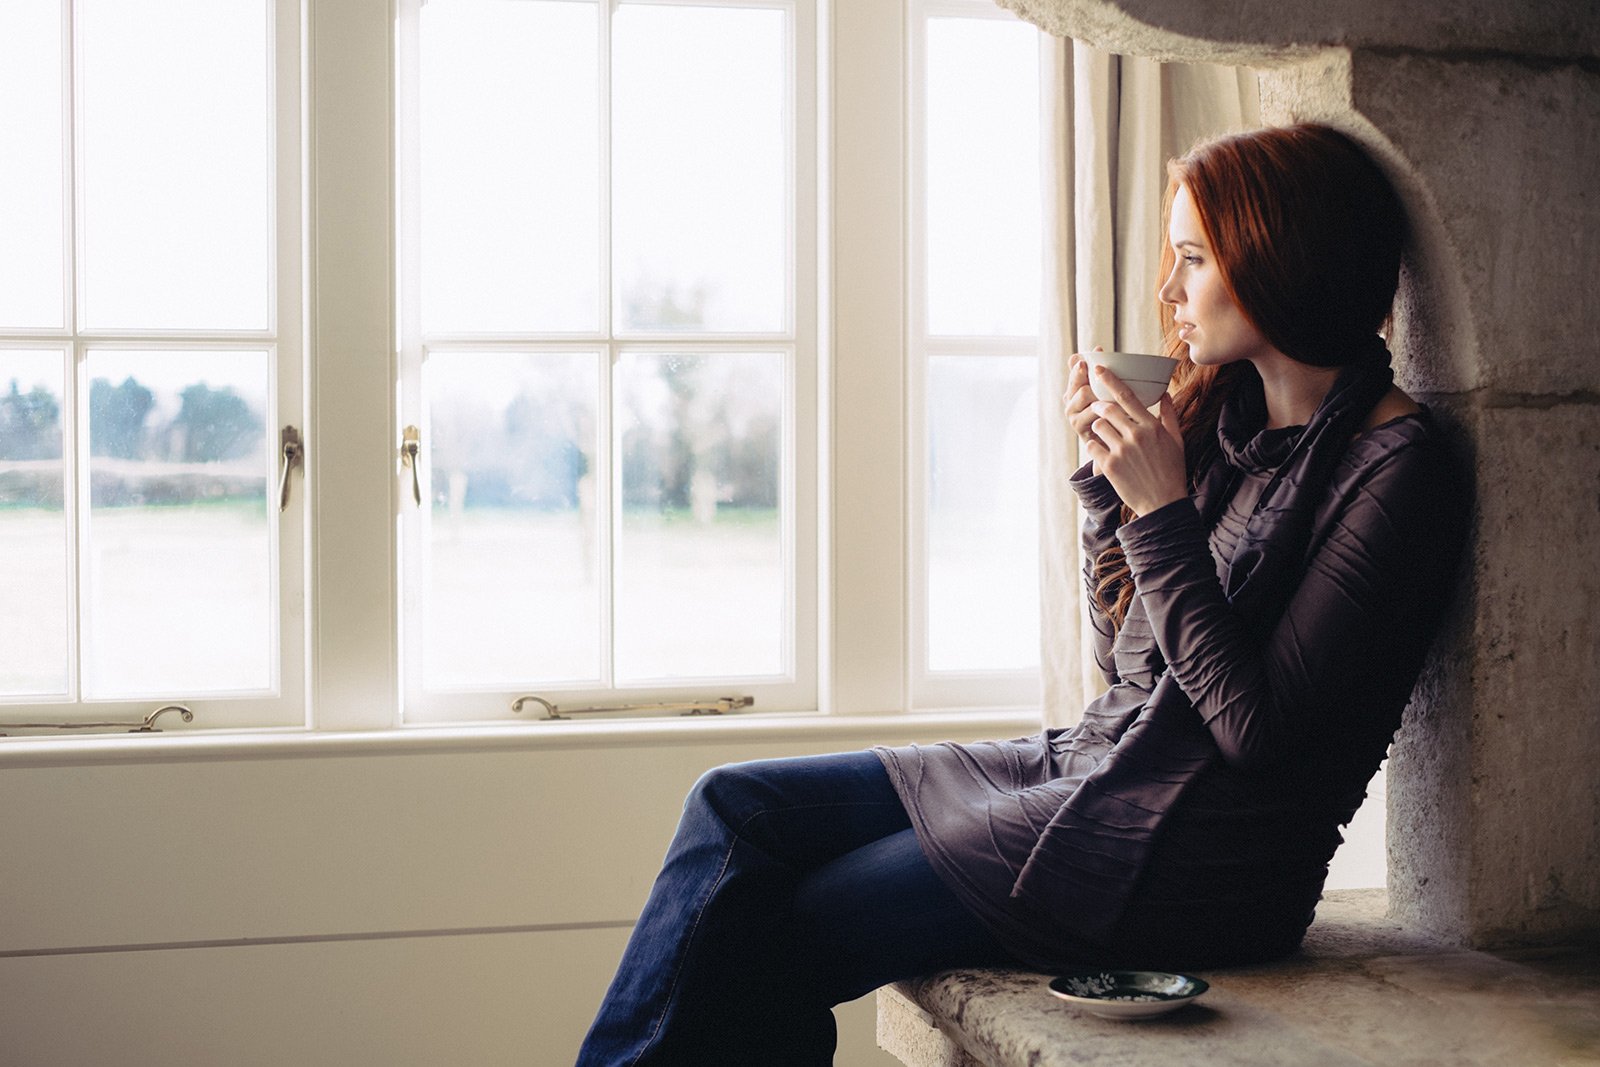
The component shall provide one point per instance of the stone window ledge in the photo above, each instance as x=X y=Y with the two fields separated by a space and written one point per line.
x=1362 y=991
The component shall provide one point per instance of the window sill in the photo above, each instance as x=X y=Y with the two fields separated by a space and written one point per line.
x=294 y=743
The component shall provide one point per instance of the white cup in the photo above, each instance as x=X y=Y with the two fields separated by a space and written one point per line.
x=1146 y=376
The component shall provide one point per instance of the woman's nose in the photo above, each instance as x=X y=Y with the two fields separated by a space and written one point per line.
x=1169 y=291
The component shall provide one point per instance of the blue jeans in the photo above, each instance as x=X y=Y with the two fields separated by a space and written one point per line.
x=792 y=885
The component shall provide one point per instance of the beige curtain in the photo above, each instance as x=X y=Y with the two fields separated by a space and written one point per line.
x=1111 y=124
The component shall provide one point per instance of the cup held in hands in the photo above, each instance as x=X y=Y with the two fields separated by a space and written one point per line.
x=1147 y=376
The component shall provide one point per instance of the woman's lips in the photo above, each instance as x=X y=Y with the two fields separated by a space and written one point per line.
x=1184 y=330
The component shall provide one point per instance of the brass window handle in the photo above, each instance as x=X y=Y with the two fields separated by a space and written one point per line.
x=292 y=450
x=716 y=706
x=410 y=448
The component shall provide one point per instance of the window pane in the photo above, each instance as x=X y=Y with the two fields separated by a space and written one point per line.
x=513 y=569
x=982 y=523
x=176 y=164
x=33 y=525
x=983 y=243
x=700 y=158
x=701 y=574
x=31 y=216
x=178 y=580
x=510 y=149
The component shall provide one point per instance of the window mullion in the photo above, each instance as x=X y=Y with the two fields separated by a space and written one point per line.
x=866 y=645
x=413 y=343
x=351 y=451
x=608 y=493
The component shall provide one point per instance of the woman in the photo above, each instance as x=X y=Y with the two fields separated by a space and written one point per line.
x=1269 y=552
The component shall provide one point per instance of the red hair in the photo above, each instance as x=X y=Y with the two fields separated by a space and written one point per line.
x=1307 y=234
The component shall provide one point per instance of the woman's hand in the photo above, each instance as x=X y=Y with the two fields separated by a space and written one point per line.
x=1141 y=454
x=1077 y=401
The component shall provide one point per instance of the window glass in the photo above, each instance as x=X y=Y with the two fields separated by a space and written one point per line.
x=510 y=153
x=701 y=543
x=982 y=138
x=700 y=167
x=33 y=524
x=178 y=582
x=32 y=219
x=176 y=213
x=513 y=569
x=983 y=521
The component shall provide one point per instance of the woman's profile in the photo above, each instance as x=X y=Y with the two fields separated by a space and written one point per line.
x=1269 y=552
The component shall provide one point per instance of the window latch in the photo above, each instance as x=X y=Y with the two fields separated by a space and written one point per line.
x=410 y=447
x=718 y=706
x=292 y=449
x=148 y=726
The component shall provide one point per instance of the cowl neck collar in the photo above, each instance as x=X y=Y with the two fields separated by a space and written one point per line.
x=1302 y=459
x=1258 y=450
x=1249 y=446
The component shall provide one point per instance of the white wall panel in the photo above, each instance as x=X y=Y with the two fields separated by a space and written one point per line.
x=216 y=850
x=320 y=853
x=522 y=999
x=489 y=999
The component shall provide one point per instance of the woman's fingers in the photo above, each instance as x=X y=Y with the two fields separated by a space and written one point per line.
x=1141 y=453
x=1119 y=391
x=1168 y=413
x=1077 y=399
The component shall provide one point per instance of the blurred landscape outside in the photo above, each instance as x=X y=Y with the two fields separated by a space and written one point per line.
x=514 y=574
x=177 y=579
x=178 y=568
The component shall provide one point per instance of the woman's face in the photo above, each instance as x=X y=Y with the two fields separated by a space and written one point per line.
x=1209 y=320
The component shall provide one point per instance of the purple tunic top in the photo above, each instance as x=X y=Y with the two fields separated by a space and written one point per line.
x=1266 y=730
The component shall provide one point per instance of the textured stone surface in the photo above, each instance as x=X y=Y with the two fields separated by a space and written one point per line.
x=1263 y=32
x=1494 y=817
x=1509 y=155
x=1535 y=678
x=1363 y=991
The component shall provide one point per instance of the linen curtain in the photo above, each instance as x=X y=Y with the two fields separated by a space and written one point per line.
x=1110 y=124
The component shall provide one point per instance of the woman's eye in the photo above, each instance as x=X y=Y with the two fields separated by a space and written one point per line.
x=1192 y=260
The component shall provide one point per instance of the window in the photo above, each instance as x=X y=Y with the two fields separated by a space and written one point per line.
x=700 y=328
x=603 y=340
x=149 y=353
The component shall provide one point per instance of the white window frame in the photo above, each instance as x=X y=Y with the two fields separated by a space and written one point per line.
x=947 y=688
x=284 y=703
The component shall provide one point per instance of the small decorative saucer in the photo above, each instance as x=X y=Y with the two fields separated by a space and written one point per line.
x=1128 y=994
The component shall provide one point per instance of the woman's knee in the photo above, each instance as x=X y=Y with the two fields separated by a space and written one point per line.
x=736 y=791
x=723 y=791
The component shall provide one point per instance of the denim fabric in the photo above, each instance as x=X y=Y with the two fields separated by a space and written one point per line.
x=791 y=886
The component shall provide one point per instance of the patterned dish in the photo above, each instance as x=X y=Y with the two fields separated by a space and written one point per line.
x=1128 y=994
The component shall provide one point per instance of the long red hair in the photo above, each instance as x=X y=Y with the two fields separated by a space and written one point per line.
x=1307 y=234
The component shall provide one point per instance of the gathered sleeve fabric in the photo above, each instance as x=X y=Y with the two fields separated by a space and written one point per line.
x=1353 y=632
x=1102 y=509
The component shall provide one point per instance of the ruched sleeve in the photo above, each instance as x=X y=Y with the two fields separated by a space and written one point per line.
x=1102 y=514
